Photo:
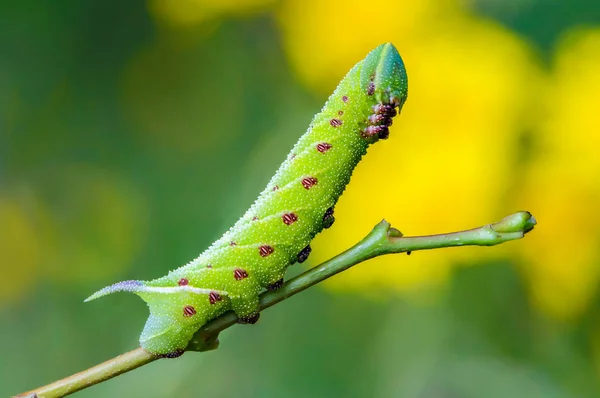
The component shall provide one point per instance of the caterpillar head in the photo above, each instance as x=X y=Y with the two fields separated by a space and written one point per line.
x=383 y=76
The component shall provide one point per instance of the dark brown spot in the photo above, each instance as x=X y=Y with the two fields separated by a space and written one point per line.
x=275 y=285
x=213 y=297
x=209 y=266
x=323 y=147
x=232 y=243
x=173 y=354
x=254 y=218
x=304 y=253
x=340 y=113
x=276 y=187
x=309 y=182
x=289 y=218
x=189 y=311
x=345 y=98
x=249 y=319
x=384 y=133
x=265 y=250
x=335 y=122
x=408 y=253
x=239 y=274
x=328 y=218
x=371 y=88
x=183 y=282
x=293 y=156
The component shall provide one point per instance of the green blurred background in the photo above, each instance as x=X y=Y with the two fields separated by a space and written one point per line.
x=133 y=133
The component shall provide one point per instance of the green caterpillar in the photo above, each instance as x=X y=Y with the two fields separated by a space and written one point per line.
x=277 y=230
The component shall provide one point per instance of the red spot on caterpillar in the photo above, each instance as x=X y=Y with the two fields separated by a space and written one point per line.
x=209 y=266
x=335 y=122
x=188 y=311
x=251 y=319
x=276 y=187
x=183 y=282
x=213 y=297
x=289 y=218
x=371 y=89
x=309 y=182
x=323 y=147
x=340 y=113
x=239 y=274
x=293 y=156
x=345 y=98
x=275 y=285
x=304 y=253
x=265 y=250
x=254 y=218
x=232 y=243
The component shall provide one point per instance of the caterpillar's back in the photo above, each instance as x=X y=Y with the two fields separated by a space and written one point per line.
x=277 y=229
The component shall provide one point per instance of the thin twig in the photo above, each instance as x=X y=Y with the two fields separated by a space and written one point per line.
x=383 y=239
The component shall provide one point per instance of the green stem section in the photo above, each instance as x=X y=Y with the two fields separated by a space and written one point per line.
x=383 y=239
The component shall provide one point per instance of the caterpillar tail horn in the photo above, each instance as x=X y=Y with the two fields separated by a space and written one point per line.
x=174 y=313
x=124 y=286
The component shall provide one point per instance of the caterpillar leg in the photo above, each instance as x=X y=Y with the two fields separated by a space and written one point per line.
x=243 y=293
x=250 y=319
x=246 y=308
x=275 y=285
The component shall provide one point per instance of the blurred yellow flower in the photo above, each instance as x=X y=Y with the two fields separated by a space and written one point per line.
x=563 y=185
x=20 y=248
x=326 y=38
x=195 y=12
x=450 y=160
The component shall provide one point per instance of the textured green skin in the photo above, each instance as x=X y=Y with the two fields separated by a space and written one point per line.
x=379 y=78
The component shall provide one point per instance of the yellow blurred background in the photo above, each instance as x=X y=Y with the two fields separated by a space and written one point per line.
x=132 y=134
